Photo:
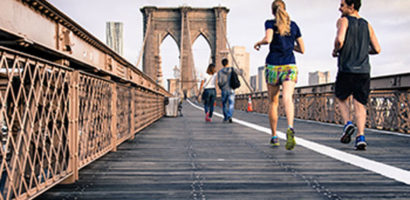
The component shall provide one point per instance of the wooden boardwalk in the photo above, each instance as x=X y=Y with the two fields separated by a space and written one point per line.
x=186 y=158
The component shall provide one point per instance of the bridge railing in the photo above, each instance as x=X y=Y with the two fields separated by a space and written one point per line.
x=388 y=107
x=55 y=120
x=66 y=99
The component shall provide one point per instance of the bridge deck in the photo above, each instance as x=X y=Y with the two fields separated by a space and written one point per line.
x=186 y=158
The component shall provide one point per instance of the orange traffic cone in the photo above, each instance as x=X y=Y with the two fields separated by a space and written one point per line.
x=249 y=104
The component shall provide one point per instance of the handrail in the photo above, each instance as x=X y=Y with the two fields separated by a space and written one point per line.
x=66 y=99
x=387 y=108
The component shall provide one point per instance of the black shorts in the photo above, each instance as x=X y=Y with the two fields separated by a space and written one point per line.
x=357 y=85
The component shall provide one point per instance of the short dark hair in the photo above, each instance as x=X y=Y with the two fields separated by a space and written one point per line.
x=357 y=3
x=225 y=62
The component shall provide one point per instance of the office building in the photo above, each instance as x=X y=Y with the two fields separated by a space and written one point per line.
x=114 y=36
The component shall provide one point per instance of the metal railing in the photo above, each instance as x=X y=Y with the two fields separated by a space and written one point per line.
x=55 y=120
x=65 y=102
x=388 y=107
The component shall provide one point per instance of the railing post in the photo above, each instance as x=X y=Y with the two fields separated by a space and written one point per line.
x=73 y=129
x=132 y=113
x=114 y=117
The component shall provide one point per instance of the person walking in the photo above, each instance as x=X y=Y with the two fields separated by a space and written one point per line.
x=355 y=40
x=209 y=91
x=227 y=93
x=283 y=37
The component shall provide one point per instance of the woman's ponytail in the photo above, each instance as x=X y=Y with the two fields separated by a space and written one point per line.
x=282 y=17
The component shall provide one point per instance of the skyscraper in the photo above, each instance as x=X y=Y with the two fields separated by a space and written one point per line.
x=254 y=82
x=114 y=36
x=242 y=59
x=261 y=79
x=318 y=77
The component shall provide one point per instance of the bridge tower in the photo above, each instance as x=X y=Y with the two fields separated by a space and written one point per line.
x=184 y=25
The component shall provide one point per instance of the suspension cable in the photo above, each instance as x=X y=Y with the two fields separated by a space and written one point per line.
x=233 y=57
x=147 y=31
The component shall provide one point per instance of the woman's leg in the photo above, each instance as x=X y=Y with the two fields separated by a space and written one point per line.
x=205 y=98
x=288 y=88
x=212 y=96
x=273 y=96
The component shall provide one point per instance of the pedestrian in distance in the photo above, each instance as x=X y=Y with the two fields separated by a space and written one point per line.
x=283 y=37
x=208 y=96
x=355 y=40
x=227 y=93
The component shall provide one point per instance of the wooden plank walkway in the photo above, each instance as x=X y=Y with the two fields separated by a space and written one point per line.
x=186 y=158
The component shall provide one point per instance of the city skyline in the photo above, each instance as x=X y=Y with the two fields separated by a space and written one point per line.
x=245 y=27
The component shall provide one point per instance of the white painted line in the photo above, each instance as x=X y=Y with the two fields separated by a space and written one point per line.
x=392 y=172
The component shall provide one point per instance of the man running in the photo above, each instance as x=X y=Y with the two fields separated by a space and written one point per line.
x=355 y=40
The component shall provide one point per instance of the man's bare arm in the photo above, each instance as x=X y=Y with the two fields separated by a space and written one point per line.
x=374 y=43
x=342 y=25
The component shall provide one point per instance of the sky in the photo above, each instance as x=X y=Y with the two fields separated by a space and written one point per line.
x=245 y=26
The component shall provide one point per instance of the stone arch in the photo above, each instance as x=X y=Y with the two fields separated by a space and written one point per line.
x=170 y=34
x=184 y=24
x=207 y=38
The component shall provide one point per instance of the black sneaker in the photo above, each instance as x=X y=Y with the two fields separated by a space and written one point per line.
x=348 y=131
x=230 y=120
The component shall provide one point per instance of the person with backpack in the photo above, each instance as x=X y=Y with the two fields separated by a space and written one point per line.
x=228 y=81
x=283 y=37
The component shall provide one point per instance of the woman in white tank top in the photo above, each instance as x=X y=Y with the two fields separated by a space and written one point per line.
x=209 y=93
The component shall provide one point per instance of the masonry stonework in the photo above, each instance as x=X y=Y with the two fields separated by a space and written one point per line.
x=184 y=25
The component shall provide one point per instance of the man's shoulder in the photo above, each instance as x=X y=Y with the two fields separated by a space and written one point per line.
x=343 y=18
x=342 y=21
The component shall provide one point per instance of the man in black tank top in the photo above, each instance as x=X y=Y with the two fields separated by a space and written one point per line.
x=355 y=40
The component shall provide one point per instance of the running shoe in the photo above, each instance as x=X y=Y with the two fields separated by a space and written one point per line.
x=207 y=119
x=290 y=139
x=274 y=141
x=360 y=143
x=348 y=131
x=230 y=120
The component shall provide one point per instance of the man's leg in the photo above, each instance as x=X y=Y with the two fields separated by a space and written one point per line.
x=344 y=109
x=360 y=114
x=224 y=96
x=231 y=101
x=349 y=128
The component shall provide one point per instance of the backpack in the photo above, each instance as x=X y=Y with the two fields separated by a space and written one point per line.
x=234 y=82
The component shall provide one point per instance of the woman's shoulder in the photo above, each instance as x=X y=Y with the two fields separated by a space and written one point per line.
x=270 y=21
x=207 y=76
x=293 y=23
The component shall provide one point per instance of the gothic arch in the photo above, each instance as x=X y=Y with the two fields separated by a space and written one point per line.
x=184 y=25
x=165 y=35
x=205 y=36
